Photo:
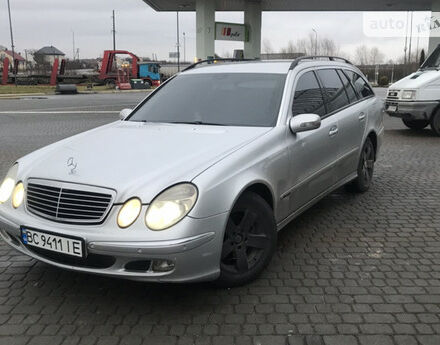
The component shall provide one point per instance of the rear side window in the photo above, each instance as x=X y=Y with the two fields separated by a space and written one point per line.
x=336 y=96
x=352 y=97
x=361 y=86
x=308 y=96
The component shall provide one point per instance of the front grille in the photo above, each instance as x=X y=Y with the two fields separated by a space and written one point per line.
x=393 y=94
x=68 y=203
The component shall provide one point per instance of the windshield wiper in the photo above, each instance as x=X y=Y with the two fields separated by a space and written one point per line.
x=198 y=123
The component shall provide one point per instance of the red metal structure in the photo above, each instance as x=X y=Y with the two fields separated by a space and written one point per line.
x=123 y=81
x=109 y=73
x=5 y=71
x=53 y=76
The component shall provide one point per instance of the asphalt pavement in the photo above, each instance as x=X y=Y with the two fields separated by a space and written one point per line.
x=354 y=269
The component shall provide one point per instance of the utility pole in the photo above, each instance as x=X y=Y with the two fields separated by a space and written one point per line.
x=114 y=31
x=316 y=41
x=73 y=45
x=184 y=47
x=178 y=44
x=410 y=38
x=406 y=38
x=12 y=45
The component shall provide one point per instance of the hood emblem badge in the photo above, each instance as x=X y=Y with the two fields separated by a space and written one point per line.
x=72 y=164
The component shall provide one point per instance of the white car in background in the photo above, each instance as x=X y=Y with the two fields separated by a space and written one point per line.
x=416 y=98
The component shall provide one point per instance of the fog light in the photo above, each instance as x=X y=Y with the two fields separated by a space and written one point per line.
x=162 y=265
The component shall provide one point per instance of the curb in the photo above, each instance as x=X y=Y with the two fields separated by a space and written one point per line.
x=18 y=95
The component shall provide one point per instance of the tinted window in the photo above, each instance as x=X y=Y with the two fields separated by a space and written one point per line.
x=334 y=90
x=352 y=97
x=230 y=99
x=308 y=96
x=361 y=86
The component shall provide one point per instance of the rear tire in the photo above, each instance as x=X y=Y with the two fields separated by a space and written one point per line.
x=148 y=83
x=365 y=169
x=435 y=123
x=416 y=124
x=110 y=83
x=249 y=242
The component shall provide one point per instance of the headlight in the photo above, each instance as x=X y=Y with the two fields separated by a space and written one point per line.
x=18 y=195
x=408 y=94
x=169 y=207
x=129 y=212
x=8 y=184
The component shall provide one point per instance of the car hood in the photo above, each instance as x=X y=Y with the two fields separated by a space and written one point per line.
x=137 y=159
x=417 y=80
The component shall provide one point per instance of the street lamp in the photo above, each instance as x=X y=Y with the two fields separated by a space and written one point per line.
x=316 y=41
x=178 y=44
x=184 y=47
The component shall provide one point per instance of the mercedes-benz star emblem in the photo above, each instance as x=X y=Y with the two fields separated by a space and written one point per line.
x=71 y=164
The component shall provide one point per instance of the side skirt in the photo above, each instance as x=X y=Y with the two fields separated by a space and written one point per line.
x=304 y=208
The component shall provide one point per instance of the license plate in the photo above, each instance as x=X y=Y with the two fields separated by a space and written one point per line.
x=51 y=242
x=392 y=108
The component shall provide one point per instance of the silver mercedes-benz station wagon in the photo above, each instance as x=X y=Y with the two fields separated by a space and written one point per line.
x=196 y=181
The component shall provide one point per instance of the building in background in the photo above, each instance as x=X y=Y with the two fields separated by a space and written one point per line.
x=47 y=55
x=5 y=53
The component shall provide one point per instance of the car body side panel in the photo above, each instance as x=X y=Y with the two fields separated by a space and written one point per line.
x=264 y=161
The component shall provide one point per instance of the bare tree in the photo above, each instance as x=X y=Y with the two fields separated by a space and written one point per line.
x=375 y=56
x=328 y=47
x=361 y=55
x=267 y=46
x=369 y=56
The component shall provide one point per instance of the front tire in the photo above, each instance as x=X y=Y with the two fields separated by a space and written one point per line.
x=435 y=123
x=365 y=169
x=415 y=124
x=249 y=242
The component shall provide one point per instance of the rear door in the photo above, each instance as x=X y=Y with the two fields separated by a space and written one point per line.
x=353 y=124
x=313 y=153
x=338 y=106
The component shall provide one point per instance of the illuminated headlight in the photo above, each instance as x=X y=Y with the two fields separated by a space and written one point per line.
x=409 y=94
x=171 y=206
x=8 y=184
x=129 y=212
x=18 y=195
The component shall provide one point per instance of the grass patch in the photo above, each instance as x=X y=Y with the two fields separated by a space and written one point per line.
x=12 y=89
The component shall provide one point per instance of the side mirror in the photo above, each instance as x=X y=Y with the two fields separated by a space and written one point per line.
x=124 y=113
x=304 y=122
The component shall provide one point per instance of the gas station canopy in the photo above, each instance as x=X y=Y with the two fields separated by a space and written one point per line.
x=206 y=26
x=299 y=5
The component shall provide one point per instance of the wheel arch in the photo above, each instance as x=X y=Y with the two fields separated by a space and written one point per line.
x=262 y=189
x=373 y=137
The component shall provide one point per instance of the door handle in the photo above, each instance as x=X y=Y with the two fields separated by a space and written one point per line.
x=333 y=131
x=362 y=116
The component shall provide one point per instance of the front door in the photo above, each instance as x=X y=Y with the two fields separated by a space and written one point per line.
x=313 y=153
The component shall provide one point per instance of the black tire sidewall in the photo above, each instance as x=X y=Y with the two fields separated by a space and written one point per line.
x=265 y=216
x=436 y=119
x=415 y=124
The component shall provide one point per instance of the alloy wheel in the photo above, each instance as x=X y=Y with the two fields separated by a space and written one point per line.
x=244 y=243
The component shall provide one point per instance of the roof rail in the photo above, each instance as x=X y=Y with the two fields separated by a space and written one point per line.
x=317 y=57
x=212 y=61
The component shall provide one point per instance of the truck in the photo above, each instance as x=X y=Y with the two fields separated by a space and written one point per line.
x=416 y=98
x=147 y=71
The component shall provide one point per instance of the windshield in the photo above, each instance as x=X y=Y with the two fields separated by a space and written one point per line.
x=433 y=61
x=230 y=99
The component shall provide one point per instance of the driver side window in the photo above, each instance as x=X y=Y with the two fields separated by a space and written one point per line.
x=308 y=98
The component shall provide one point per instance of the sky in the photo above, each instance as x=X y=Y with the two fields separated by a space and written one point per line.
x=145 y=32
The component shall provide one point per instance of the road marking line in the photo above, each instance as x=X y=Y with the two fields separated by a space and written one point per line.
x=62 y=112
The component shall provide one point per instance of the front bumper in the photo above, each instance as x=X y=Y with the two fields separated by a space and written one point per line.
x=410 y=110
x=196 y=257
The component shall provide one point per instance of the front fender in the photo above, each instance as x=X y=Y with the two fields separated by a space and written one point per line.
x=264 y=162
